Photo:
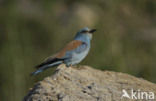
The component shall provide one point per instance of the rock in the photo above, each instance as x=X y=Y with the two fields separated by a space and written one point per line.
x=87 y=84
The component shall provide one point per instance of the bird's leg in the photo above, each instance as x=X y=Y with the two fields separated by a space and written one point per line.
x=70 y=65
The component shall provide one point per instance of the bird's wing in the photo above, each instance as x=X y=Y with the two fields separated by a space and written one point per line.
x=48 y=61
x=76 y=45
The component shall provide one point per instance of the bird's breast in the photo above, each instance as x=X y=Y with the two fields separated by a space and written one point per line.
x=78 y=57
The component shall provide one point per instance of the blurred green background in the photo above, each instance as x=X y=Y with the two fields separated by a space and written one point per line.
x=31 y=30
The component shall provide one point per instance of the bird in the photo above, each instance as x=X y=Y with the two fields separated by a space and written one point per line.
x=73 y=53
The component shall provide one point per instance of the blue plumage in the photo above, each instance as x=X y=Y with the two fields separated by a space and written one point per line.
x=73 y=53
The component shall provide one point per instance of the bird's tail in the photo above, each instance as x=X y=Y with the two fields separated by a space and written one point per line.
x=44 y=67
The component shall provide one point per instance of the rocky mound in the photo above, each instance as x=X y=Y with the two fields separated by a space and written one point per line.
x=87 y=84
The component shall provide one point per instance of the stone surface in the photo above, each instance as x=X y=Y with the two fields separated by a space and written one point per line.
x=87 y=84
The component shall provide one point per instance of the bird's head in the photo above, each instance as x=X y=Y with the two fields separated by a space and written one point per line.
x=86 y=32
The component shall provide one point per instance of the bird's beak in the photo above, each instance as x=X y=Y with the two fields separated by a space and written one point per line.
x=92 y=30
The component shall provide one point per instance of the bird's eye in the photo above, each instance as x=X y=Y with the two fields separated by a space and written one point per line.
x=84 y=31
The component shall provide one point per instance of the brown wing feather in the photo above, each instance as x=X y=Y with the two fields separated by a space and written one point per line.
x=58 y=57
x=70 y=46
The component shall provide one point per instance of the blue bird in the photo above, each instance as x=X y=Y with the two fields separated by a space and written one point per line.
x=73 y=53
